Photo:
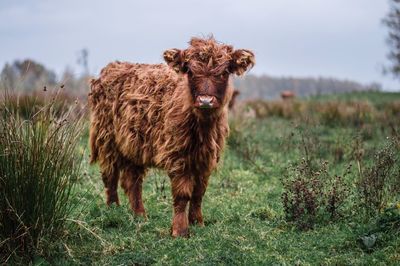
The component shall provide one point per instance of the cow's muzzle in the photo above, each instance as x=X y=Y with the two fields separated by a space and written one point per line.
x=206 y=102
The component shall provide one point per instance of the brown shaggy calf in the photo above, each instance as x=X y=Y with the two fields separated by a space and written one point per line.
x=171 y=116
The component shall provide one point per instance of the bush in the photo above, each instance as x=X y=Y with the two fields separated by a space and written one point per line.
x=39 y=165
x=302 y=197
x=379 y=184
x=311 y=196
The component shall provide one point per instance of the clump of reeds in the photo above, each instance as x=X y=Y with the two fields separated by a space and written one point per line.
x=39 y=165
x=28 y=104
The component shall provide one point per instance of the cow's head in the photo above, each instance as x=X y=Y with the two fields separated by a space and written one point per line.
x=208 y=66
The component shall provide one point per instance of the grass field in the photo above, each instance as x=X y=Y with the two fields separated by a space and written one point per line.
x=244 y=217
x=245 y=222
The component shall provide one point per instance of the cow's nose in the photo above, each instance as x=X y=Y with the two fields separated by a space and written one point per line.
x=205 y=101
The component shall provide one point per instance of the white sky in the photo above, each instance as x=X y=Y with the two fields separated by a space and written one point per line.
x=333 y=38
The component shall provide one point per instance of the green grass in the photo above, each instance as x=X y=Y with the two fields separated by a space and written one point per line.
x=242 y=208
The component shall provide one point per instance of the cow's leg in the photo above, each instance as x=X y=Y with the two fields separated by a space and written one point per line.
x=182 y=188
x=195 y=214
x=110 y=179
x=131 y=182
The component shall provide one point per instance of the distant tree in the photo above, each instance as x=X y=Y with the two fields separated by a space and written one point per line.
x=26 y=75
x=392 y=22
x=8 y=77
x=83 y=60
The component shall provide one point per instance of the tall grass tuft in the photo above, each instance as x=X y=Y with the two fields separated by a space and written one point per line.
x=27 y=105
x=39 y=165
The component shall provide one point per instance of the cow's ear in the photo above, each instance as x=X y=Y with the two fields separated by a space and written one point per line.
x=175 y=59
x=242 y=60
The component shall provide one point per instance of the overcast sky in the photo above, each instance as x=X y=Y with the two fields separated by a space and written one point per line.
x=333 y=38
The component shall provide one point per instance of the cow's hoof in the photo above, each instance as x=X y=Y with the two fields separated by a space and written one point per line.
x=180 y=233
x=112 y=201
x=180 y=225
x=140 y=214
x=197 y=221
x=112 y=197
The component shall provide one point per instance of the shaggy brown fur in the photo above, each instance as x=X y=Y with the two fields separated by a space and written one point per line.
x=173 y=117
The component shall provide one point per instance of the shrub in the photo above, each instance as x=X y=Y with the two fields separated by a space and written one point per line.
x=379 y=183
x=311 y=196
x=38 y=167
x=302 y=196
x=335 y=194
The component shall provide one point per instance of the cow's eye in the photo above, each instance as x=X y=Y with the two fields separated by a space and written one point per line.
x=223 y=75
